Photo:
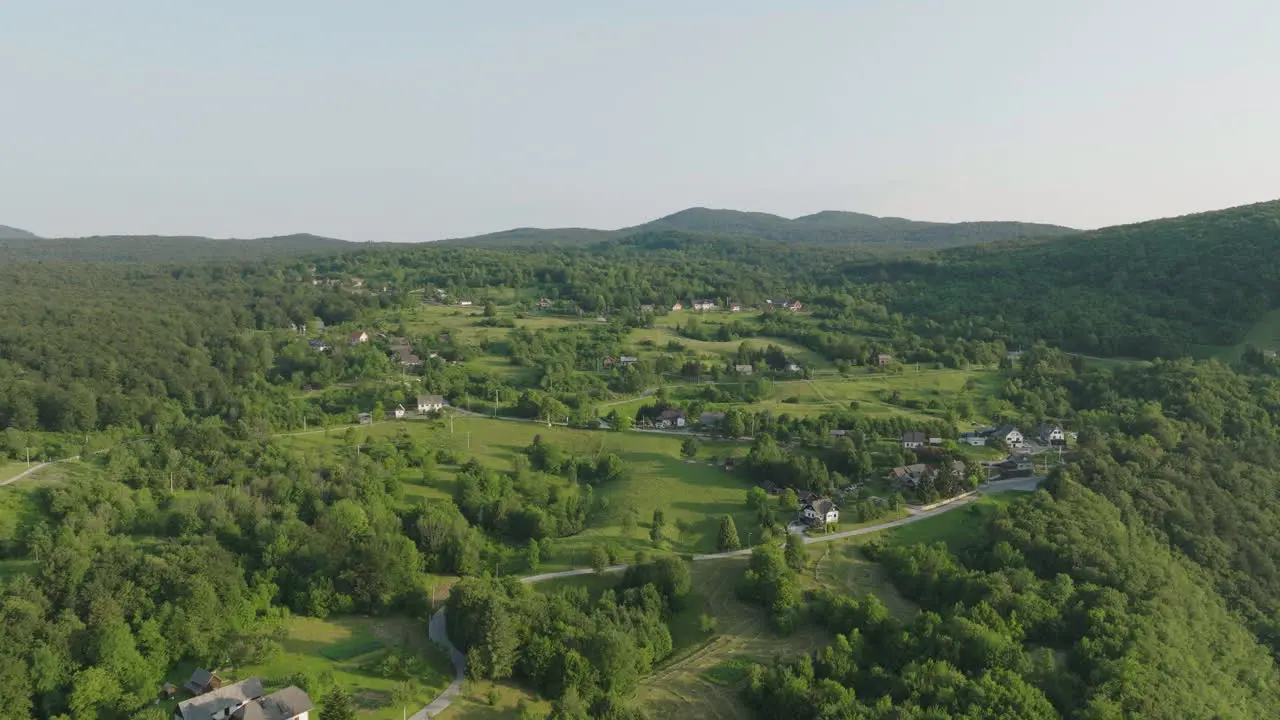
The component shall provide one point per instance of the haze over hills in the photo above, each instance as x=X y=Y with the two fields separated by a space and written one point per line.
x=13 y=233
x=828 y=227
x=164 y=248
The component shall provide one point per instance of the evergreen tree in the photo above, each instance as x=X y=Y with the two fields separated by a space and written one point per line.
x=728 y=535
x=794 y=553
x=337 y=705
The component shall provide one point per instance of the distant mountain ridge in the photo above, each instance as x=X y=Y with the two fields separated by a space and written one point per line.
x=13 y=233
x=829 y=227
x=167 y=249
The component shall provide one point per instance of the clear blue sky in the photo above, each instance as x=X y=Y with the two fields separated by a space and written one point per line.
x=417 y=120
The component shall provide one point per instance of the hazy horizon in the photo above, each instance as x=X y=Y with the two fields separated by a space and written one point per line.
x=423 y=121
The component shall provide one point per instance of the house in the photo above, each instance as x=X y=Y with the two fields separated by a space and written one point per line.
x=1013 y=355
x=358 y=337
x=544 y=303
x=913 y=439
x=677 y=306
x=883 y=359
x=646 y=308
x=1010 y=435
x=793 y=367
x=202 y=681
x=168 y=691
x=743 y=369
x=607 y=361
x=1051 y=434
x=704 y=305
x=430 y=403
x=838 y=433
x=318 y=345
x=805 y=497
x=397 y=413
x=291 y=703
x=406 y=357
x=464 y=303
x=1268 y=353
x=710 y=418
x=821 y=511
x=670 y=418
x=908 y=474
x=735 y=307
x=770 y=487
x=221 y=703
x=935 y=441
x=366 y=419
x=794 y=306
x=1020 y=466
x=357 y=282
x=628 y=360
x=245 y=701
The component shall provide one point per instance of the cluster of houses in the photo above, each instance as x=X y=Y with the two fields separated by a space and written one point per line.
x=244 y=700
x=403 y=353
x=705 y=305
x=425 y=404
x=1047 y=433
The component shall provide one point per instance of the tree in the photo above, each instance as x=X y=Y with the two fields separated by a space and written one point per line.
x=489 y=309
x=533 y=555
x=655 y=530
x=728 y=535
x=337 y=705
x=599 y=558
x=790 y=501
x=758 y=502
x=689 y=448
x=794 y=552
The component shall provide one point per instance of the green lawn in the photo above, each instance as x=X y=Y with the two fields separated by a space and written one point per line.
x=8 y=469
x=841 y=566
x=957 y=528
x=351 y=648
x=1264 y=335
x=696 y=494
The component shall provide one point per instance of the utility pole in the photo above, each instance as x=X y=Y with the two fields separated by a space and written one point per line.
x=28 y=457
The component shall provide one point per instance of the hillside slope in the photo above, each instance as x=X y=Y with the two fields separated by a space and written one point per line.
x=13 y=233
x=1157 y=288
x=158 y=248
x=825 y=228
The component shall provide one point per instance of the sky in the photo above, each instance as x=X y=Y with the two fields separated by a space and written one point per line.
x=418 y=120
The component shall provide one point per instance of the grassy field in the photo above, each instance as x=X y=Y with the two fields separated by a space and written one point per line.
x=693 y=494
x=1264 y=335
x=351 y=648
x=8 y=469
x=660 y=336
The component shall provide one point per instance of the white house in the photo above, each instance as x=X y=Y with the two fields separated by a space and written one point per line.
x=670 y=418
x=792 y=367
x=430 y=403
x=628 y=359
x=704 y=305
x=1011 y=435
x=974 y=439
x=1051 y=434
x=913 y=440
x=358 y=337
x=464 y=303
x=821 y=511
x=743 y=369
x=398 y=412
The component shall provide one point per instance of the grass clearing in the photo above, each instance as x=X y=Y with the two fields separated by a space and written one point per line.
x=957 y=528
x=351 y=648
x=692 y=495
x=9 y=469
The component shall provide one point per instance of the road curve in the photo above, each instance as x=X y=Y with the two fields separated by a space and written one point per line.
x=438 y=629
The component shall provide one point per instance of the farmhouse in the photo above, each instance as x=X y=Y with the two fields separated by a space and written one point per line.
x=397 y=413
x=356 y=338
x=704 y=305
x=670 y=418
x=318 y=345
x=1051 y=434
x=677 y=306
x=245 y=701
x=430 y=403
x=735 y=307
x=366 y=419
x=913 y=439
x=743 y=369
x=883 y=359
x=404 y=355
x=628 y=360
x=1010 y=435
x=821 y=511
x=913 y=475
x=464 y=303
x=544 y=303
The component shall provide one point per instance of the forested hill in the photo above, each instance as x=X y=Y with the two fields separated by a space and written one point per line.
x=166 y=249
x=1153 y=289
x=13 y=233
x=825 y=228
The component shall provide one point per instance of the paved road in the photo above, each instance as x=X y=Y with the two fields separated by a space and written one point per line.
x=436 y=630
x=35 y=468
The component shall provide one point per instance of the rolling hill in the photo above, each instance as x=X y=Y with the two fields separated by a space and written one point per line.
x=1160 y=288
x=825 y=228
x=167 y=249
x=13 y=233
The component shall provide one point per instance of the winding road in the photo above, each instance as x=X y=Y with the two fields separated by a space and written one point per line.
x=438 y=629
